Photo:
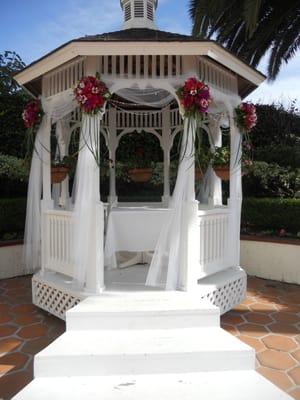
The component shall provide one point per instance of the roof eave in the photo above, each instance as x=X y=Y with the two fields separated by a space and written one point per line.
x=76 y=48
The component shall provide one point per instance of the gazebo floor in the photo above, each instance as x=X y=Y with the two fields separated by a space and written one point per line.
x=268 y=320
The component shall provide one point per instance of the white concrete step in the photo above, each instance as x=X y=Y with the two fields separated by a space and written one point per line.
x=229 y=385
x=160 y=310
x=119 y=352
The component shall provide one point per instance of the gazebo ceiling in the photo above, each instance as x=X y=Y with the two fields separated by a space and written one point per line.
x=140 y=41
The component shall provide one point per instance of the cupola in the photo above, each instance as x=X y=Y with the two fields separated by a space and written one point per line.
x=139 y=13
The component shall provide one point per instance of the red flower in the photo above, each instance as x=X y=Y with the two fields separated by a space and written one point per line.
x=91 y=94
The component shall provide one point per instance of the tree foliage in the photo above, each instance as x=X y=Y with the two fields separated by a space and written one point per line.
x=12 y=102
x=251 y=28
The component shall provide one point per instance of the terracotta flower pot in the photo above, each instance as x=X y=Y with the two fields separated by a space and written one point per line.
x=140 y=175
x=59 y=173
x=222 y=172
x=198 y=174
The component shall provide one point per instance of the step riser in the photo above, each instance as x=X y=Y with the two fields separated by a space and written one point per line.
x=94 y=321
x=143 y=364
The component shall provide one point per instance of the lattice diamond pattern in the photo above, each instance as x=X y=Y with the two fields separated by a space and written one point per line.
x=51 y=299
x=228 y=296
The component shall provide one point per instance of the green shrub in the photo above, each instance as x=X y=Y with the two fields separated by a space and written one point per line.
x=271 y=214
x=271 y=180
x=13 y=168
x=12 y=217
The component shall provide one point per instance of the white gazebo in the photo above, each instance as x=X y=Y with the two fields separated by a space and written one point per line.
x=75 y=244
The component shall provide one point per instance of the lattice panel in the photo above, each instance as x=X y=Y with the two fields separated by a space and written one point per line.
x=51 y=299
x=229 y=295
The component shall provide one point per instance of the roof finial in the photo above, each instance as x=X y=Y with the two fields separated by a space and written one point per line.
x=139 y=13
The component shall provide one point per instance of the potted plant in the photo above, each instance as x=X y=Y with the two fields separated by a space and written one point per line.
x=140 y=167
x=221 y=162
x=203 y=156
x=60 y=169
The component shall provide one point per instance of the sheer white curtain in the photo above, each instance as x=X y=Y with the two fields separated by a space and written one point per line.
x=87 y=197
x=165 y=268
x=55 y=108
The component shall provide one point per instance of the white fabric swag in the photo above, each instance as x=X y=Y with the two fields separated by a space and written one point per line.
x=165 y=268
x=55 y=109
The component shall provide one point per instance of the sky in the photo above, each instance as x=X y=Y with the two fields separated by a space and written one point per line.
x=34 y=27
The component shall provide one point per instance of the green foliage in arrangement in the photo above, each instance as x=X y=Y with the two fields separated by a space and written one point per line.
x=268 y=213
x=12 y=218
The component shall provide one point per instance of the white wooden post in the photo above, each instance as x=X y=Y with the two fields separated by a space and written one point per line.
x=215 y=197
x=95 y=269
x=166 y=145
x=235 y=201
x=112 y=144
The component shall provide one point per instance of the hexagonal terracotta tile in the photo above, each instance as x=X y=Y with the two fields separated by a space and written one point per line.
x=252 y=342
x=232 y=319
x=230 y=328
x=24 y=308
x=12 y=362
x=35 y=346
x=258 y=318
x=254 y=330
x=296 y=355
x=286 y=317
x=295 y=393
x=5 y=317
x=7 y=330
x=276 y=359
x=279 y=378
x=283 y=328
x=263 y=307
x=11 y=384
x=295 y=374
x=7 y=345
x=32 y=331
x=27 y=319
x=279 y=342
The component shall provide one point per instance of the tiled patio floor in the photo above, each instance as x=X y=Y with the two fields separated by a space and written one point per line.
x=268 y=320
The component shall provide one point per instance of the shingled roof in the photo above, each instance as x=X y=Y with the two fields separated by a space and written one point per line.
x=139 y=35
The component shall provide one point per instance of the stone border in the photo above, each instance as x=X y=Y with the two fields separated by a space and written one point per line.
x=11 y=254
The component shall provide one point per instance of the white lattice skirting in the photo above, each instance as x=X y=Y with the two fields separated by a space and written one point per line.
x=52 y=299
x=225 y=289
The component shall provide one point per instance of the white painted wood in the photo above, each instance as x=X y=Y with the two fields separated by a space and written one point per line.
x=225 y=385
x=142 y=311
x=147 y=351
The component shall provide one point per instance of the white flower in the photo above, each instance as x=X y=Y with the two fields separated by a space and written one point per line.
x=82 y=85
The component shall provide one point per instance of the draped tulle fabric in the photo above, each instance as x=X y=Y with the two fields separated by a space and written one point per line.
x=55 y=108
x=164 y=270
x=87 y=197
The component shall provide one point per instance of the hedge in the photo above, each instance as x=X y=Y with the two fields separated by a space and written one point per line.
x=12 y=216
x=271 y=213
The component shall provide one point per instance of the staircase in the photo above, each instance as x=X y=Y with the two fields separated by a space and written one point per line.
x=146 y=345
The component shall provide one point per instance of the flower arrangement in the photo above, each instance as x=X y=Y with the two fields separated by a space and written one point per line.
x=91 y=94
x=194 y=97
x=32 y=114
x=246 y=117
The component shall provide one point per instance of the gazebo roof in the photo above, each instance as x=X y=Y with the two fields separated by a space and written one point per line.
x=139 y=41
x=138 y=35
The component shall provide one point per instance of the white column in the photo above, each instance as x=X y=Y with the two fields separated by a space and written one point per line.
x=112 y=144
x=166 y=144
x=235 y=200
x=215 y=197
x=95 y=269
x=47 y=202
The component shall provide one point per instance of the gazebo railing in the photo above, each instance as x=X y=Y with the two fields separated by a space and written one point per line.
x=57 y=241
x=213 y=232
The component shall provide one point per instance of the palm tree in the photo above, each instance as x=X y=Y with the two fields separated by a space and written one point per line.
x=251 y=28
